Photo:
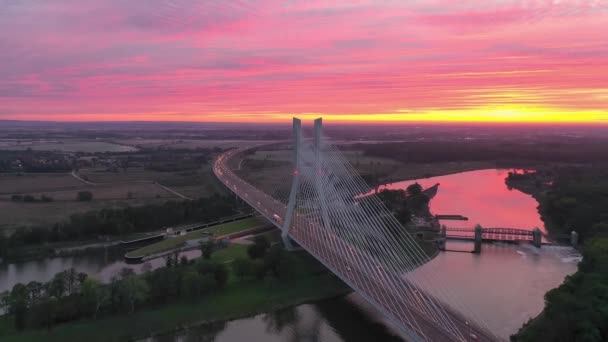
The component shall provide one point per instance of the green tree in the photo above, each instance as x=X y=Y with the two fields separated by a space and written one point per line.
x=3 y=245
x=134 y=290
x=221 y=275
x=19 y=305
x=46 y=198
x=57 y=286
x=35 y=290
x=45 y=313
x=204 y=266
x=259 y=247
x=71 y=277
x=259 y=269
x=84 y=196
x=94 y=295
x=242 y=267
x=208 y=283
x=192 y=284
x=277 y=261
x=414 y=189
x=207 y=248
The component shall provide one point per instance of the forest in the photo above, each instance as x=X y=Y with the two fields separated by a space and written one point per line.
x=578 y=309
x=489 y=150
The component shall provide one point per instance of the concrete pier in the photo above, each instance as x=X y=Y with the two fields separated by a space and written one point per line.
x=537 y=237
x=574 y=239
x=442 y=237
x=478 y=239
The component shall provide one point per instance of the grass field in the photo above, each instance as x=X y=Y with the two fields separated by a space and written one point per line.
x=135 y=187
x=191 y=183
x=384 y=169
x=189 y=144
x=178 y=241
x=67 y=146
x=12 y=183
x=63 y=188
x=17 y=215
x=240 y=299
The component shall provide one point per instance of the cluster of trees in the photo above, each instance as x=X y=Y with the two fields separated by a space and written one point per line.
x=84 y=196
x=33 y=161
x=178 y=160
x=446 y=151
x=71 y=296
x=122 y=221
x=263 y=260
x=31 y=198
x=578 y=309
x=578 y=200
x=404 y=203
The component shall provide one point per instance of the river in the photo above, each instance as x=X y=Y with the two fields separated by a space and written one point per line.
x=504 y=285
x=102 y=265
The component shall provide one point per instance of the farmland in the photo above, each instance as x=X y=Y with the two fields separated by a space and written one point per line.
x=115 y=181
x=68 y=145
x=265 y=167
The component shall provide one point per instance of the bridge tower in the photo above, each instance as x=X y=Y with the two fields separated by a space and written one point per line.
x=537 y=237
x=478 y=239
x=319 y=169
x=295 y=182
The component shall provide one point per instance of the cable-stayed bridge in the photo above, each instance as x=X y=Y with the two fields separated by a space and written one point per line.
x=318 y=202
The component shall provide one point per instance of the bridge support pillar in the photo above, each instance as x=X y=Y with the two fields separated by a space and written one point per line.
x=537 y=237
x=574 y=239
x=295 y=183
x=478 y=239
x=442 y=237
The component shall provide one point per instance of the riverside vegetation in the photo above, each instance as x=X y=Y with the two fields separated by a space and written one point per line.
x=578 y=309
x=75 y=306
x=114 y=223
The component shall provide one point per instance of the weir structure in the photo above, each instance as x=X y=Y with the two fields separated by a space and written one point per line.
x=326 y=208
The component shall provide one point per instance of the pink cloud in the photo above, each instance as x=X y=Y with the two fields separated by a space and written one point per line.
x=365 y=57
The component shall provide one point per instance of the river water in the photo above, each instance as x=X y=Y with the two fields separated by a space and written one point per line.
x=101 y=265
x=504 y=285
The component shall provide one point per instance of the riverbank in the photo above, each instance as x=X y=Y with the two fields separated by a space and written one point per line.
x=574 y=311
x=239 y=299
x=177 y=242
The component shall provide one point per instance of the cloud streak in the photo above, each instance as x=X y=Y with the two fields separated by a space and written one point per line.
x=265 y=61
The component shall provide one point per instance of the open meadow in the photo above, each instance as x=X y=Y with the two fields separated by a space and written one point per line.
x=266 y=168
x=189 y=143
x=135 y=187
x=68 y=145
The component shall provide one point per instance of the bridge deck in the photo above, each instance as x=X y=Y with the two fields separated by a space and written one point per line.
x=391 y=293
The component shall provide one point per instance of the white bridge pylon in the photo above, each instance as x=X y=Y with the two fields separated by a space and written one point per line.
x=332 y=215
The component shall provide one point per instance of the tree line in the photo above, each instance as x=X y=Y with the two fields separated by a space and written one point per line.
x=114 y=221
x=507 y=151
x=71 y=295
x=578 y=309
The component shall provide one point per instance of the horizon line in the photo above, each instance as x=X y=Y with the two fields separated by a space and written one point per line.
x=335 y=122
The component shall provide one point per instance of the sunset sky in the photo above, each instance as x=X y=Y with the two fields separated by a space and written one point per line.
x=380 y=60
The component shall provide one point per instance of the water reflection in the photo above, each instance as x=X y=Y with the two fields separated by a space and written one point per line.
x=278 y=320
x=505 y=284
x=483 y=197
x=101 y=265
x=332 y=320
